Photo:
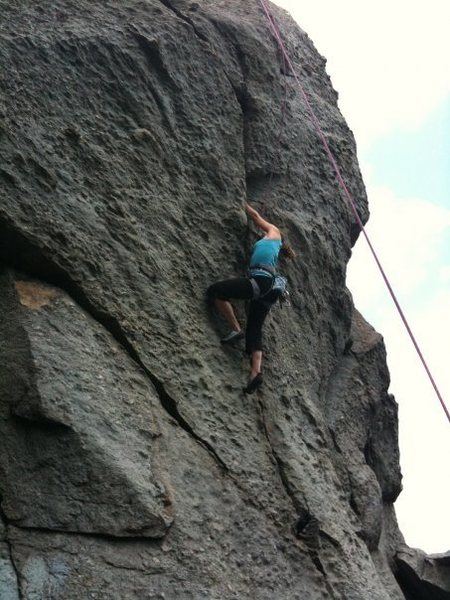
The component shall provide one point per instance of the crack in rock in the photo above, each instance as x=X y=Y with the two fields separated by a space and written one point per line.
x=167 y=402
x=89 y=535
x=171 y=407
x=277 y=461
x=15 y=244
x=319 y=566
x=307 y=526
x=186 y=19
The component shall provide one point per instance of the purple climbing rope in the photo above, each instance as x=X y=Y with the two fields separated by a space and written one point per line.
x=276 y=31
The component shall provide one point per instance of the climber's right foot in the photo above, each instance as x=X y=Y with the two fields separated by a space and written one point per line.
x=232 y=337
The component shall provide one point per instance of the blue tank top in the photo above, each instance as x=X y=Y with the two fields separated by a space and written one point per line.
x=265 y=252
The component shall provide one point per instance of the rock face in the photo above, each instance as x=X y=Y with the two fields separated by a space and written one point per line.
x=131 y=465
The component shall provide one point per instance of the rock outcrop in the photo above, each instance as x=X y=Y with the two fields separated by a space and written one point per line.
x=131 y=465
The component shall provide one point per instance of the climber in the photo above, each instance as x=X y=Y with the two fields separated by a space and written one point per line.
x=261 y=276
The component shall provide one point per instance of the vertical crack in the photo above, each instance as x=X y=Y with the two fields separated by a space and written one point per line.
x=306 y=526
x=167 y=402
x=14 y=243
x=170 y=405
x=282 y=475
x=319 y=566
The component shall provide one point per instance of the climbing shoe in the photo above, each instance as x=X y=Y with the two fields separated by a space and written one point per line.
x=232 y=337
x=253 y=384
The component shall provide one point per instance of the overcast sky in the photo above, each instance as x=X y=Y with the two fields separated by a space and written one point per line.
x=390 y=62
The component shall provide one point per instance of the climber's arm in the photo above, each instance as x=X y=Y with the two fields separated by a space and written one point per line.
x=272 y=232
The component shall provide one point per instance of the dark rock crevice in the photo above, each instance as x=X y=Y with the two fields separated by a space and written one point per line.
x=260 y=180
x=423 y=577
x=319 y=566
x=306 y=526
x=130 y=539
x=47 y=425
x=171 y=407
x=19 y=252
x=241 y=87
x=186 y=19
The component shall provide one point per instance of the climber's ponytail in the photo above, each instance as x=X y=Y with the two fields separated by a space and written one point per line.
x=286 y=251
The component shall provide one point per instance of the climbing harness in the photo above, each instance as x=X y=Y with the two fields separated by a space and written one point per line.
x=279 y=284
x=287 y=61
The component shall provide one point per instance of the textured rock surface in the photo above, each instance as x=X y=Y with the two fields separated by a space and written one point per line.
x=131 y=466
x=8 y=577
x=424 y=577
x=80 y=417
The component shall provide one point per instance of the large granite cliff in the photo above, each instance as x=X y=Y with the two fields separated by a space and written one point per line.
x=131 y=465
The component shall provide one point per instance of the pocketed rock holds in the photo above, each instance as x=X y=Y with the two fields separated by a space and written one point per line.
x=131 y=466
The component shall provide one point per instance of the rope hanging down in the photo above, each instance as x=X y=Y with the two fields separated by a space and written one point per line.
x=276 y=31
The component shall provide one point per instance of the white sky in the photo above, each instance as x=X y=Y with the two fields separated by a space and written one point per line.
x=390 y=62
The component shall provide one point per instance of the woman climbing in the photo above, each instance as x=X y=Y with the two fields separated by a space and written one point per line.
x=258 y=288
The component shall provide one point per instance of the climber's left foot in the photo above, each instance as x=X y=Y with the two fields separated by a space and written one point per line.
x=253 y=384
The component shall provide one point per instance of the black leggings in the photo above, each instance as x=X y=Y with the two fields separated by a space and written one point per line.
x=240 y=288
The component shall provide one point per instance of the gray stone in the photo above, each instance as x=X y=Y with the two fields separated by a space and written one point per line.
x=8 y=577
x=78 y=431
x=422 y=576
x=131 y=465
